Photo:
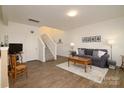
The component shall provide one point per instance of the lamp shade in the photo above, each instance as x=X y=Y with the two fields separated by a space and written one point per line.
x=72 y=44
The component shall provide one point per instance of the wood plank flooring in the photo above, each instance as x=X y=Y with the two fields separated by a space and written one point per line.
x=47 y=75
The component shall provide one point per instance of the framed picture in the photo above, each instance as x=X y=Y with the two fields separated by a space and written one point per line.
x=98 y=39
x=91 y=39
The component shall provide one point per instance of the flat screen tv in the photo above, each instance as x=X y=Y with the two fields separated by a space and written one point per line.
x=15 y=48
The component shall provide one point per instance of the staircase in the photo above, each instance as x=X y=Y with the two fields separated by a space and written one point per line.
x=48 y=48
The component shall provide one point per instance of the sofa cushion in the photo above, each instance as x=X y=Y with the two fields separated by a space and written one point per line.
x=101 y=50
x=85 y=56
x=96 y=61
x=88 y=56
x=96 y=58
x=89 y=52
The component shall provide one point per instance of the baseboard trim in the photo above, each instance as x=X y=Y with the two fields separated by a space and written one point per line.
x=61 y=56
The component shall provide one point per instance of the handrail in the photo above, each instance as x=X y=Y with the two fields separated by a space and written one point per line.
x=40 y=38
x=51 y=39
x=42 y=50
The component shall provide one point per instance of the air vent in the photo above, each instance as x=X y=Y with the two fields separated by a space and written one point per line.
x=33 y=20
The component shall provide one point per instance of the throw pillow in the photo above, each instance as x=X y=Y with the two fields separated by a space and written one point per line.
x=81 y=52
x=95 y=53
x=77 y=52
x=89 y=52
x=101 y=53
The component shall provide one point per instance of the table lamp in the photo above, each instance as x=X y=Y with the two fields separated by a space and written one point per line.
x=72 y=46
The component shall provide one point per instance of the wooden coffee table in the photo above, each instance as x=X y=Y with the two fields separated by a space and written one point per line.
x=85 y=61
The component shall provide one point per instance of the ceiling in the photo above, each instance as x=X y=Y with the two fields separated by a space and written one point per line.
x=55 y=15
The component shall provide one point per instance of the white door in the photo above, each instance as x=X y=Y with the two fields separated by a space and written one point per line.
x=31 y=47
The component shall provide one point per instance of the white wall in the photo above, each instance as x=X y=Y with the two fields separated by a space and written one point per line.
x=20 y=33
x=111 y=29
x=2 y=31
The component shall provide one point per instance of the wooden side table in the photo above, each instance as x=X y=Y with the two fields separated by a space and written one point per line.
x=122 y=65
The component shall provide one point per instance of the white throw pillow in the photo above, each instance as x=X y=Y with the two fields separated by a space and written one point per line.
x=77 y=51
x=101 y=53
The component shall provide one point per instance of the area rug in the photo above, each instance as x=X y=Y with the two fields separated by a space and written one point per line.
x=95 y=74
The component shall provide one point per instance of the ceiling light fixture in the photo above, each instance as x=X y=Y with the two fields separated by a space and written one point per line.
x=72 y=13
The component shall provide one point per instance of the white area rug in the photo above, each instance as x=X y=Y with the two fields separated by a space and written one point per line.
x=95 y=74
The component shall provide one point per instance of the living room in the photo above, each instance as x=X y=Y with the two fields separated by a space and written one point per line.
x=96 y=27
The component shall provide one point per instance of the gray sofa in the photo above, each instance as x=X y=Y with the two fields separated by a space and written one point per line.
x=92 y=53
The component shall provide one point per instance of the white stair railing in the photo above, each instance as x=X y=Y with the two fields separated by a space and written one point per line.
x=41 y=50
x=50 y=44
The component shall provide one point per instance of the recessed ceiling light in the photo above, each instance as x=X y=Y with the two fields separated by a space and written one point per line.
x=72 y=13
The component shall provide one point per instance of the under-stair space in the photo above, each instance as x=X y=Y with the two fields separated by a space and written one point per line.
x=48 y=48
x=48 y=54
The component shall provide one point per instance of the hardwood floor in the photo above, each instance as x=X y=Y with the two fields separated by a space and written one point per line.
x=47 y=75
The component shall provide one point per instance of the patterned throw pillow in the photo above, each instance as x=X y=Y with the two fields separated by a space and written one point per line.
x=81 y=52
